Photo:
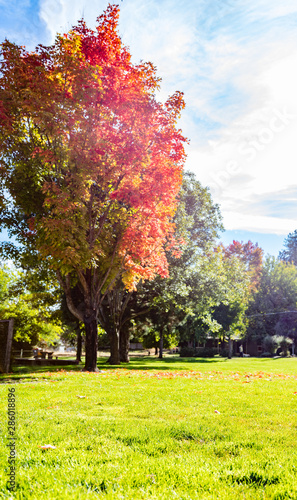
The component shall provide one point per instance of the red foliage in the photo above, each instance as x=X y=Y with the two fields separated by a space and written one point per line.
x=109 y=156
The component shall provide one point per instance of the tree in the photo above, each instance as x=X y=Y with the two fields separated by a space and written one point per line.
x=209 y=297
x=92 y=163
x=273 y=308
x=165 y=303
x=251 y=255
x=32 y=304
x=289 y=254
x=235 y=285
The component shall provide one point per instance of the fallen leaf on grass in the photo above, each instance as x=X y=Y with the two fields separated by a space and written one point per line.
x=81 y=397
x=47 y=447
x=216 y=411
x=152 y=477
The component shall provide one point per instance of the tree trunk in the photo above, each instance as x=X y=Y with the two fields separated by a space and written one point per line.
x=230 y=347
x=124 y=345
x=114 y=336
x=161 y=345
x=90 y=322
x=78 y=343
x=156 y=350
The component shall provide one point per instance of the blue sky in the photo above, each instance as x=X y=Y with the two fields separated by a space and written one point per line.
x=236 y=61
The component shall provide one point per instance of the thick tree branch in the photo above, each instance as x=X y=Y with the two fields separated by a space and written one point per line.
x=65 y=284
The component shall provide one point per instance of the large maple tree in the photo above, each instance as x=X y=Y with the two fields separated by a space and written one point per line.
x=91 y=163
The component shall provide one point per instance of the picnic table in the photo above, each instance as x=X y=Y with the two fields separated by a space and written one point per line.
x=40 y=353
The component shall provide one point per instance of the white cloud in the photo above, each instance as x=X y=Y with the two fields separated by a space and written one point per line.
x=256 y=223
x=273 y=10
x=60 y=15
x=256 y=152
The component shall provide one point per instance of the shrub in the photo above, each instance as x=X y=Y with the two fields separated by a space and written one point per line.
x=224 y=353
x=200 y=352
x=206 y=352
x=283 y=343
x=187 y=352
x=269 y=344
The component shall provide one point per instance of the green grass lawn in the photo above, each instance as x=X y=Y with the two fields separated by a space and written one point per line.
x=171 y=429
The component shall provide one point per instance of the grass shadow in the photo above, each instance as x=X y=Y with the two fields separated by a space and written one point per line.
x=20 y=372
x=167 y=363
x=173 y=362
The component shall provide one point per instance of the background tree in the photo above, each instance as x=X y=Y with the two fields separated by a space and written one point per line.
x=165 y=303
x=32 y=302
x=92 y=163
x=272 y=309
x=289 y=254
x=214 y=298
x=233 y=291
x=252 y=257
